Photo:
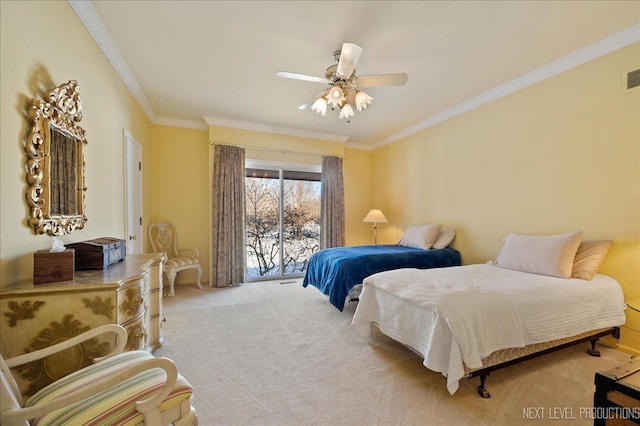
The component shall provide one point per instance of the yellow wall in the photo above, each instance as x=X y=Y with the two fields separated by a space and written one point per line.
x=559 y=156
x=43 y=44
x=358 y=191
x=179 y=191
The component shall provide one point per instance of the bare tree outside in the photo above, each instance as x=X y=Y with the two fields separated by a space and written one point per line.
x=300 y=228
x=262 y=226
x=301 y=223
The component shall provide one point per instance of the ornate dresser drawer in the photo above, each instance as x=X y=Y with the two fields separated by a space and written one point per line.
x=131 y=297
x=136 y=333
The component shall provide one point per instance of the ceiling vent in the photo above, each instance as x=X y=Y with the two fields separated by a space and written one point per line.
x=631 y=80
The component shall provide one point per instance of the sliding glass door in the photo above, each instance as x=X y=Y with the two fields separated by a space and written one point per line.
x=282 y=221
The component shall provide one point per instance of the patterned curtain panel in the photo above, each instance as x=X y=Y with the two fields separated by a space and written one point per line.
x=228 y=216
x=332 y=200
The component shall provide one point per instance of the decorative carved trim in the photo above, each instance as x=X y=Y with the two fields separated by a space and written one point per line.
x=135 y=337
x=63 y=111
x=100 y=307
x=132 y=302
x=21 y=312
x=45 y=371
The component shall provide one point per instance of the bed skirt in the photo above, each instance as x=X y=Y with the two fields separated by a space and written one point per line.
x=499 y=358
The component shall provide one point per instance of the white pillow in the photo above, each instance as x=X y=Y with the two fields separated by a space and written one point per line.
x=445 y=237
x=420 y=236
x=539 y=254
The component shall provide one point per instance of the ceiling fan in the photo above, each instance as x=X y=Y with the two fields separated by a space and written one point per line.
x=344 y=92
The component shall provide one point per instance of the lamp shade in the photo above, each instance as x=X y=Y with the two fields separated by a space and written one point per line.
x=375 y=216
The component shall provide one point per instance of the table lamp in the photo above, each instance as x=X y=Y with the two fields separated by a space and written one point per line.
x=376 y=217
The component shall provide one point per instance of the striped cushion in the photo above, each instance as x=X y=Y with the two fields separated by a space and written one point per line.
x=176 y=262
x=113 y=406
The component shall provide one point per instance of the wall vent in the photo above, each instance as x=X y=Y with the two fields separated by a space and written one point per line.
x=631 y=80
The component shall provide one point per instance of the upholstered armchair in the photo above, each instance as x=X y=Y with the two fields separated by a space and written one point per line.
x=120 y=388
x=163 y=239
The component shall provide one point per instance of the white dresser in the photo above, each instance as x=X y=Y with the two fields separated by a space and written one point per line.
x=128 y=293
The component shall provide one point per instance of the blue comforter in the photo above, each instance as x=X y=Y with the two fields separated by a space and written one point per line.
x=335 y=271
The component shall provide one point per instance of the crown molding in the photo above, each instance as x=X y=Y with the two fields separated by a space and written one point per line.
x=586 y=54
x=269 y=128
x=176 y=122
x=359 y=145
x=87 y=14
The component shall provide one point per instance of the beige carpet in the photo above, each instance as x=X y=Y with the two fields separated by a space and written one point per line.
x=271 y=354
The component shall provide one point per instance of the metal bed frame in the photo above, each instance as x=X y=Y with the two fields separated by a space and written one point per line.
x=483 y=373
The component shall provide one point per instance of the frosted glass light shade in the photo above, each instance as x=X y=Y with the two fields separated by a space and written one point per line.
x=320 y=106
x=362 y=100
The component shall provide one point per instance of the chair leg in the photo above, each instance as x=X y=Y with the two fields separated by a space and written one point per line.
x=152 y=417
x=199 y=276
x=172 y=277
x=188 y=415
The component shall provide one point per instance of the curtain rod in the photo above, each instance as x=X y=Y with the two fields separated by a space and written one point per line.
x=283 y=151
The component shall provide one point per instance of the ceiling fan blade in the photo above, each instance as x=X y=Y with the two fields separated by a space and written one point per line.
x=304 y=77
x=310 y=102
x=399 y=79
x=349 y=56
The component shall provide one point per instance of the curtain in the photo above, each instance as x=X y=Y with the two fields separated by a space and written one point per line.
x=228 y=246
x=332 y=203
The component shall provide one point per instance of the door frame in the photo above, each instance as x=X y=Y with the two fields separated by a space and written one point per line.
x=280 y=167
x=133 y=205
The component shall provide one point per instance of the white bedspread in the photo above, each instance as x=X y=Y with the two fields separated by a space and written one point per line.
x=455 y=316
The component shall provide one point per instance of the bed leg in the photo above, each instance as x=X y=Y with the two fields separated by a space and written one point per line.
x=481 y=389
x=593 y=351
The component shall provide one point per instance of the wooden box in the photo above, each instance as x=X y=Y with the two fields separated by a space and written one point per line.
x=98 y=253
x=51 y=266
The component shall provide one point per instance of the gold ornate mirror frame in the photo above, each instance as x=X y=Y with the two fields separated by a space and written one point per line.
x=55 y=162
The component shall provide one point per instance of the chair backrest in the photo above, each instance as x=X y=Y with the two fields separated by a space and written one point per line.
x=10 y=397
x=163 y=238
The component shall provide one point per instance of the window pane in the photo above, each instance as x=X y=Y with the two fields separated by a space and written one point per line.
x=262 y=173
x=301 y=228
x=262 y=227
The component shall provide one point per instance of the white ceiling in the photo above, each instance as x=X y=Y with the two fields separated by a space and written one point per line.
x=192 y=62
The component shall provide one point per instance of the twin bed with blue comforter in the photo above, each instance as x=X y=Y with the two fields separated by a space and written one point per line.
x=335 y=271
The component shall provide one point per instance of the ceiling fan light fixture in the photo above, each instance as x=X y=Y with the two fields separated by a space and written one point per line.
x=320 y=106
x=346 y=111
x=335 y=96
x=343 y=93
x=362 y=100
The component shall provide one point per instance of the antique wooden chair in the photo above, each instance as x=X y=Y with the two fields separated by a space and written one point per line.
x=163 y=237
x=122 y=387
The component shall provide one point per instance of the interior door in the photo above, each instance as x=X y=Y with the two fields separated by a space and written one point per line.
x=133 y=194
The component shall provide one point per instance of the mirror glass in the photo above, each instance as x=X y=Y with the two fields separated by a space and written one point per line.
x=55 y=162
x=62 y=155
